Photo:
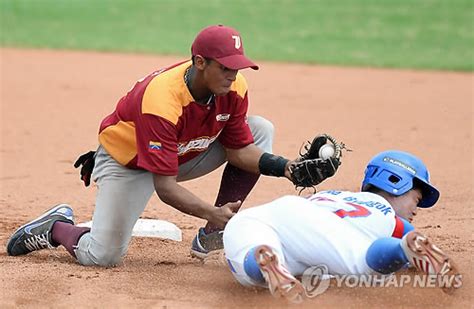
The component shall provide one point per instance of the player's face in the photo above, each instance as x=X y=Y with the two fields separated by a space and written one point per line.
x=218 y=78
x=405 y=205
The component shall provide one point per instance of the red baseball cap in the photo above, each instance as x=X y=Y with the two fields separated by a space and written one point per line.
x=224 y=45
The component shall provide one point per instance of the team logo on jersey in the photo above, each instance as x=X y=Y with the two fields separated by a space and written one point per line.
x=197 y=144
x=222 y=117
x=154 y=145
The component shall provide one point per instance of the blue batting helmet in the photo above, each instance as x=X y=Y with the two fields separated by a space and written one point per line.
x=397 y=172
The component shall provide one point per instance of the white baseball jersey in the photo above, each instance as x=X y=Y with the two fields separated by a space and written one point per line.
x=334 y=228
x=370 y=213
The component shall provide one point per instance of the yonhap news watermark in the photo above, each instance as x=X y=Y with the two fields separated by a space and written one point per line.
x=316 y=280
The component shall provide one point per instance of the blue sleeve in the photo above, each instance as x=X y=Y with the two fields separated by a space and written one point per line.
x=407 y=226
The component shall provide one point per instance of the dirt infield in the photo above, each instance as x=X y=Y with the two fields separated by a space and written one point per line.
x=51 y=106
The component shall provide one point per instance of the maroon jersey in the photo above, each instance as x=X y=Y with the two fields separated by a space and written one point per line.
x=157 y=126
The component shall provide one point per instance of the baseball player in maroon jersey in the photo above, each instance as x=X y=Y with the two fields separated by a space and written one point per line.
x=176 y=124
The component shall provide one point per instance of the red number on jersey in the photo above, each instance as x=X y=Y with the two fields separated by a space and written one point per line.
x=358 y=212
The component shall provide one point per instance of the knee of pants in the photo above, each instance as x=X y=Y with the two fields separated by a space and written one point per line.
x=108 y=258
x=90 y=253
x=262 y=132
x=111 y=257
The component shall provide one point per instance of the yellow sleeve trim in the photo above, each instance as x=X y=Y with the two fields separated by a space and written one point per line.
x=119 y=141
x=240 y=85
x=167 y=94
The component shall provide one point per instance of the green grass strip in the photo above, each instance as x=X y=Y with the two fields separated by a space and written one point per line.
x=428 y=34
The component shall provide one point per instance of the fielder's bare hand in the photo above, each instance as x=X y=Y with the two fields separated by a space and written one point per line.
x=219 y=216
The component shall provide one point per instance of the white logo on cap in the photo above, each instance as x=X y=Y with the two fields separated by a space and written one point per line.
x=237 y=41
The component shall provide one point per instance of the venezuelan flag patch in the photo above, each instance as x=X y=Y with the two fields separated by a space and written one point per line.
x=154 y=145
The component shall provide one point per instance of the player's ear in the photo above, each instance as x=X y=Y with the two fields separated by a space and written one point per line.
x=200 y=62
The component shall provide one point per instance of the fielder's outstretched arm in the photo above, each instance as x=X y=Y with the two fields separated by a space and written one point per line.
x=170 y=192
x=252 y=159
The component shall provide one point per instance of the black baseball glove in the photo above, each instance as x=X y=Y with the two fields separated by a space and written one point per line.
x=319 y=160
x=87 y=161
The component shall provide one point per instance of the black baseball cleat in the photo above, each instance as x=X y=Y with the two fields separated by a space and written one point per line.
x=36 y=234
x=203 y=243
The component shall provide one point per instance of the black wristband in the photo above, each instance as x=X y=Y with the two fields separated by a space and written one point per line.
x=272 y=165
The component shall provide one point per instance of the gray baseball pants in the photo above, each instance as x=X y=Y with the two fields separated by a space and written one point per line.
x=123 y=194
